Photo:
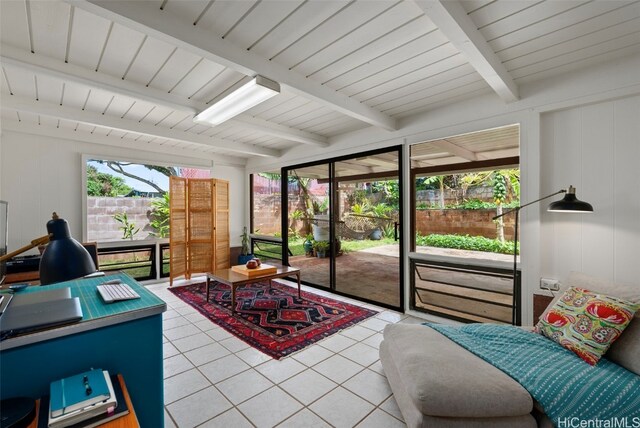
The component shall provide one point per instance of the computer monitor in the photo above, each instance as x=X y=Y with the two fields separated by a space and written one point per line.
x=4 y=233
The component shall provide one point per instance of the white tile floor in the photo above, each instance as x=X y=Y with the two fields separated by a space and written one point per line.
x=213 y=379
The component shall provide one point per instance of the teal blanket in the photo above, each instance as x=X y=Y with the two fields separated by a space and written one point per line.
x=559 y=380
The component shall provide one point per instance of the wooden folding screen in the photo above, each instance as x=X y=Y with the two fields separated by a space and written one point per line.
x=202 y=220
x=221 y=229
x=178 y=228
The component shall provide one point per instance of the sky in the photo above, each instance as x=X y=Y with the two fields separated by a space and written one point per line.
x=139 y=170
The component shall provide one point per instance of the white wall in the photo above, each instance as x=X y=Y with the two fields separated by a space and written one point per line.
x=39 y=175
x=597 y=149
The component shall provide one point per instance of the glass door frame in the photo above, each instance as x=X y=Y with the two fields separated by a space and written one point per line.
x=399 y=149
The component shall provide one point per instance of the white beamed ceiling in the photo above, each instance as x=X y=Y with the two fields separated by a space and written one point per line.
x=386 y=56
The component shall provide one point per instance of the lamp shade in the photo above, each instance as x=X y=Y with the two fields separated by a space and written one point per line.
x=64 y=258
x=570 y=204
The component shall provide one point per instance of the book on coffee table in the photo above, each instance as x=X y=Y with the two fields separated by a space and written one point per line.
x=263 y=269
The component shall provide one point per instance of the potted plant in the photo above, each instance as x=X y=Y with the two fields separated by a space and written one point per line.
x=245 y=253
x=308 y=245
x=321 y=248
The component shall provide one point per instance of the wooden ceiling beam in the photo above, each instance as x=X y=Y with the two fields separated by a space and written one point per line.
x=86 y=137
x=277 y=130
x=452 y=20
x=22 y=104
x=66 y=72
x=454 y=149
x=148 y=18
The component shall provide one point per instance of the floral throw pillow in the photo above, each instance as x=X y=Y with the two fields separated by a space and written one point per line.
x=587 y=323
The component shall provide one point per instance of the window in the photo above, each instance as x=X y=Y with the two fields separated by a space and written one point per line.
x=129 y=201
x=455 y=211
x=459 y=184
x=127 y=208
x=266 y=193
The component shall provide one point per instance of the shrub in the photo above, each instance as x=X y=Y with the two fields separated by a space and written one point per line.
x=160 y=216
x=471 y=204
x=466 y=242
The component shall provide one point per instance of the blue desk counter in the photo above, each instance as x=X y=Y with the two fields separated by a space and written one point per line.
x=122 y=337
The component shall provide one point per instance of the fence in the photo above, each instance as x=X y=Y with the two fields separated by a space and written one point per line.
x=462 y=222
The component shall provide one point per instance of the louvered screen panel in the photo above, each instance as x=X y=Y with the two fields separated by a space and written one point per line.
x=199 y=219
x=201 y=206
x=222 y=239
x=178 y=250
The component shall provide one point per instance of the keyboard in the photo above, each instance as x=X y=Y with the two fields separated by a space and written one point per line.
x=116 y=292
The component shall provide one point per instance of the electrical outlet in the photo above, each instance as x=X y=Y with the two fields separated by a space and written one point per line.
x=549 y=284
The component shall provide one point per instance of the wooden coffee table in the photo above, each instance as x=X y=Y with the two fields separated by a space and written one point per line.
x=235 y=279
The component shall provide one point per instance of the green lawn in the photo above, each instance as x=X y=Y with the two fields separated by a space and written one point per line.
x=347 y=245
x=295 y=245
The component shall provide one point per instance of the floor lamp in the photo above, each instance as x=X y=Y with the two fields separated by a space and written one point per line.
x=568 y=204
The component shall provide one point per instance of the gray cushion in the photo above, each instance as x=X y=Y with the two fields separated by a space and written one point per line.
x=626 y=349
x=444 y=379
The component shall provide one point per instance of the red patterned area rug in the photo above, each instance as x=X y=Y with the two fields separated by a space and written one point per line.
x=273 y=320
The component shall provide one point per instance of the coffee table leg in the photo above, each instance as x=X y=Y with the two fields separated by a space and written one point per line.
x=233 y=299
x=208 y=285
x=298 y=275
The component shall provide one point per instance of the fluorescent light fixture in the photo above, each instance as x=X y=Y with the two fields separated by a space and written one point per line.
x=258 y=90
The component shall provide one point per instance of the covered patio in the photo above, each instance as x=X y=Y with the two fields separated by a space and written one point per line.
x=373 y=273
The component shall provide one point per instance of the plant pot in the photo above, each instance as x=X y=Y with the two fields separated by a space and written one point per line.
x=244 y=259
x=321 y=255
x=308 y=247
x=376 y=235
x=321 y=227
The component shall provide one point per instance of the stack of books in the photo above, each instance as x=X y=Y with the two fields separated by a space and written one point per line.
x=85 y=400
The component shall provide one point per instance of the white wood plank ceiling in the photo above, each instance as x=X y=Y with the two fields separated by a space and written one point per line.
x=490 y=144
x=138 y=71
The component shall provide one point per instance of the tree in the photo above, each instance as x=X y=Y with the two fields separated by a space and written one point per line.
x=439 y=180
x=311 y=207
x=506 y=187
x=103 y=184
x=118 y=167
x=390 y=189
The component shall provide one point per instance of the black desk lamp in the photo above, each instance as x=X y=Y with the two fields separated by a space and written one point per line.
x=568 y=204
x=64 y=258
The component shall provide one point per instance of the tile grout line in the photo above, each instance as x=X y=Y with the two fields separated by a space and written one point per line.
x=278 y=384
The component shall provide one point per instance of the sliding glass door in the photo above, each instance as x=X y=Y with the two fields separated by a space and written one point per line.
x=342 y=217
x=367 y=221
x=308 y=207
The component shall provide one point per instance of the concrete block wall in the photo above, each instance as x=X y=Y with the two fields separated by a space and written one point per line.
x=462 y=222
x=102 y=227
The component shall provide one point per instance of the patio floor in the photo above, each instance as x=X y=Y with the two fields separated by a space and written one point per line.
x=373 y=273
x=364 y=274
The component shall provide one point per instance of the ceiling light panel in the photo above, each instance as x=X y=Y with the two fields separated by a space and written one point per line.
x=242 y=99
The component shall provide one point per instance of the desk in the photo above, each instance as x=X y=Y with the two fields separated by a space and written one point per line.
x=31 y=277
x=123 y=337
x=235 y=279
